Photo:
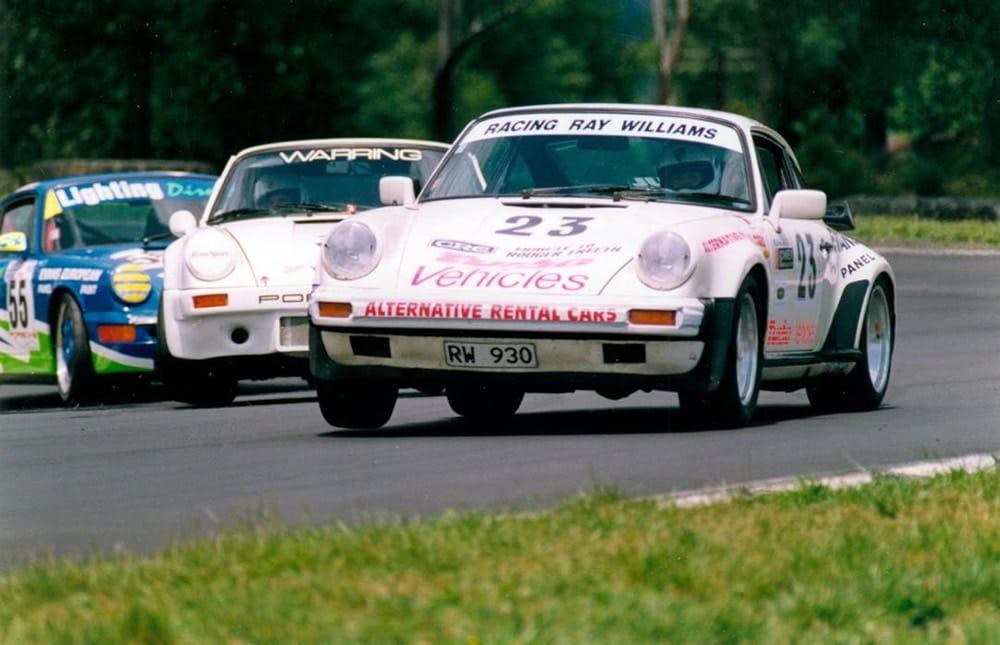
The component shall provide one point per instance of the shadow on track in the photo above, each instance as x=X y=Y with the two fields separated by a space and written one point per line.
x=611 y=421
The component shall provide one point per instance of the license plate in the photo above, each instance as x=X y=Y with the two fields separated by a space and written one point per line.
x=493 y=355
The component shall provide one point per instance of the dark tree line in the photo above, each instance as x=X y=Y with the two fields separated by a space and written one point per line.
x=877 y=95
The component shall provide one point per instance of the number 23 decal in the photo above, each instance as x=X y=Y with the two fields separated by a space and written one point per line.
x=806 y=257
x=522 y=225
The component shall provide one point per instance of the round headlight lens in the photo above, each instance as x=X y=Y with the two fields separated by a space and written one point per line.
x=350 y=251
x=131 y=284
x=211 y=255
x=664 y=260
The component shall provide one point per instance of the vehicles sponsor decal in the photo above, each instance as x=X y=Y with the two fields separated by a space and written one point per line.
x=467 y=247
x=489 y=311
x=645 y=125
x=781 y=333
x=350 y=154
x=722 y=241
x=79 y=274
x=857 y=264
x=467 y=271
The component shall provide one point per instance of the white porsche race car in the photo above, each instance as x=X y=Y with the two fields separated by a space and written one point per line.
x=605 y=247
x=237 y=281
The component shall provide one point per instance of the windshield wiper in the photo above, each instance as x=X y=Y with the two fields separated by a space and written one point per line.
x=587 y=189
x=238 y=213
x=310 y=207
x=678 y=196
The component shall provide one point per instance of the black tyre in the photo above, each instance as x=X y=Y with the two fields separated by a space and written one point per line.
x=733 y=404
x=484 y=403
x=361 y=406
x=193 y=382
x=75 y=376
x=864 y=387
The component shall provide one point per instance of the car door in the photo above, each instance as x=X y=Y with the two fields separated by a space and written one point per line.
x=18 y=321
x=802 y=289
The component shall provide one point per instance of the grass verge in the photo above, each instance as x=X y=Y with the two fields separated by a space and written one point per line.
x=894 y=561
x=902 y=230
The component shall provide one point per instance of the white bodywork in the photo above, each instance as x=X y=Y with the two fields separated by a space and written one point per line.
x=543 y=286
x=236 y=285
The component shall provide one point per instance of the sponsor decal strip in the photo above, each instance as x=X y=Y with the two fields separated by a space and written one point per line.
x=491 y=311
x=602 y=123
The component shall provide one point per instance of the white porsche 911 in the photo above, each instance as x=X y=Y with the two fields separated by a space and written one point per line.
x=604 y=247
x=237 y=281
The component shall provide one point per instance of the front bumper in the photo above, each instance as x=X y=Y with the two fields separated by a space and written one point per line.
x=253 y=322
x=690 y=357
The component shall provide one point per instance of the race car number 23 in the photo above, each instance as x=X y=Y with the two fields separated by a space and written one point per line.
x=490 y=355
x=524 y=225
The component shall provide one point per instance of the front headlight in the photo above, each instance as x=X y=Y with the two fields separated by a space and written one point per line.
x=351 y=251
x=131 y=284
x=211 y=255
x=664 y=261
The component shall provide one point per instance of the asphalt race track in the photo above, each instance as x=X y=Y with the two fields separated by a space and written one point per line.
x=136 y=475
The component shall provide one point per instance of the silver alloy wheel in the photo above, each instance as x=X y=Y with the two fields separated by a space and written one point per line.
x=878 y=328
x=747 y=340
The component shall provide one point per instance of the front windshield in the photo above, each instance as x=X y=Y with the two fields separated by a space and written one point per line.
x=119 y=211
x=341 y=178
x=625 y=155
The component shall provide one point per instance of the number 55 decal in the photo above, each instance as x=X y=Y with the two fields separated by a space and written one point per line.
x=21 y=307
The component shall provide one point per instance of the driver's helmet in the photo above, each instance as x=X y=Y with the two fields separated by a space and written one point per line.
x=278 y=189
x=690 y=167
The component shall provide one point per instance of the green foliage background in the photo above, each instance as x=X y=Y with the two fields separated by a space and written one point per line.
x=878 y=97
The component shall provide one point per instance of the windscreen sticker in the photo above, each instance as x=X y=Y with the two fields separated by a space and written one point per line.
x=351 y=154
x=608 y=124
x=96 y=192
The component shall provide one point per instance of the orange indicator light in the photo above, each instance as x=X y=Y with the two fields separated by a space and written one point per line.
x=116 y=333
x=652 y=317
x=335 y=309
x=211 y=300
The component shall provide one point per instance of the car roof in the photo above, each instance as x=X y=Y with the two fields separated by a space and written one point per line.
x=340 y=141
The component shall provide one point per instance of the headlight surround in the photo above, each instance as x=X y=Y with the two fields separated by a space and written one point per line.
x=351 y=251
x=211 y=255
x=131 y=284
x=665 y=261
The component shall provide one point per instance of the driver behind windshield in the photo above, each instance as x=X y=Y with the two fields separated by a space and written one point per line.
x=273 y=189
x=690 y=168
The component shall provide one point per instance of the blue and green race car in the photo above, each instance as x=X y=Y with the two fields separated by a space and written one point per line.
x=81 y=268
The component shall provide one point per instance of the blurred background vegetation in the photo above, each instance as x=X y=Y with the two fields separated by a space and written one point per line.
x=877 y=96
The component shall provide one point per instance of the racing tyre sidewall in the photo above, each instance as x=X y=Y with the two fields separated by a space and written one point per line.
x=733 y=404
x=75 y=377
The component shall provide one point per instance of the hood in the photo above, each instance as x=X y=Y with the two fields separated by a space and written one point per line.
x=538 y=246
x=282 y=251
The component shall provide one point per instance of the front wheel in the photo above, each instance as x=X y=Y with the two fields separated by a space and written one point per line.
x=484 y=403
x=735 y=401
x=864 y=387
x=192 y=382
x=75 y=376
x=356 y=405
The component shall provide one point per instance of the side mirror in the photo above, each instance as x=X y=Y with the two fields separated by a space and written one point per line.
x=396 y=191
x=15 y=242
x=182 y=223
x=799 y=204
x=839 y=216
